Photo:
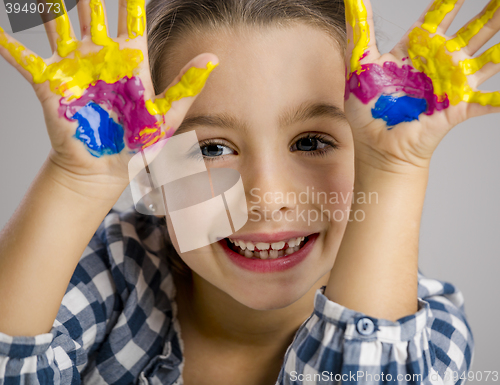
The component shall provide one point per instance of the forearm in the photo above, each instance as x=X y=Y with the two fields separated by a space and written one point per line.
x=376 y=268
x=41 y=246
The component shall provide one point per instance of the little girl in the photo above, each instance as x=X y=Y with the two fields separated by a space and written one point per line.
x=300 y=294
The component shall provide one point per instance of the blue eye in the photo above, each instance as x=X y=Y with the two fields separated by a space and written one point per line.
x=214 y=150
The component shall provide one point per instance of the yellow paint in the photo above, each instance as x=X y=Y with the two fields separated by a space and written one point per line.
x=65 y=43
x=136 y=18
x=190 y=84
x=98 y=29
x=357 y=17
x=437 y=13
x=469 y=31
x=471 y=66
x=148 y=131
x=429 y=55
x=71 y=76
x=29 y=61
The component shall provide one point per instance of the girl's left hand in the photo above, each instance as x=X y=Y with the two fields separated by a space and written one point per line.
x=402 y=104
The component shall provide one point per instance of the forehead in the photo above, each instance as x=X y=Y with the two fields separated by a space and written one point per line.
x=264 y=68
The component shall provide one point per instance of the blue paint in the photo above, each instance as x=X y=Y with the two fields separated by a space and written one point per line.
x=395 y=110
x=98 y=131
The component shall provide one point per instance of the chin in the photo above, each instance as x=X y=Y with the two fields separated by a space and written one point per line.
x=274 y=292
x=269 y=301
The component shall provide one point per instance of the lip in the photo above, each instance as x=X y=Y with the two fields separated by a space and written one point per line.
x=270 y=265
x=270 y=238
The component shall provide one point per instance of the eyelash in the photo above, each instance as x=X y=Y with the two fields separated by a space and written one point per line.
x=212 y=142
x=320 y=138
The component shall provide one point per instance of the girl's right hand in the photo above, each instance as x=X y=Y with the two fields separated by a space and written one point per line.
x=84 y=81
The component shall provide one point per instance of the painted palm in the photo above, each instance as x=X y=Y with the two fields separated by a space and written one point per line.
x=427 y=71
x=102 y=83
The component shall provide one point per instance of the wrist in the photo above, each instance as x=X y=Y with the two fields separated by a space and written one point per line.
x=101 y=189
x=391 y=159
x=377 y=171
x=403 y=188
x=367 y=174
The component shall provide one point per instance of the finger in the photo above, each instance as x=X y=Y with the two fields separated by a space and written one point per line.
x=29 y=64
x=440 y=15
x=59 y=30
x=360 y=32
x=474 y=65
x=490 y=105
x=174 y=103
x=93 y=21
x=181 y=93
x=478 y=31
x=491 y=99
x=131 y=18
x=83 y=7
x=487 y=72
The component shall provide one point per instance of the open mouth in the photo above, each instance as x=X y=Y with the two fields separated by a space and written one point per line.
x=265 y=251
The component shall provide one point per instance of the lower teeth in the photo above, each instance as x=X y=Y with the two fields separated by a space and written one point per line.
x=267 y=254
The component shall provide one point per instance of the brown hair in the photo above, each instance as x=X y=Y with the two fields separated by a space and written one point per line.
x=169 y=20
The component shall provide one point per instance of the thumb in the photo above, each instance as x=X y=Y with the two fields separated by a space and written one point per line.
x=175 y=101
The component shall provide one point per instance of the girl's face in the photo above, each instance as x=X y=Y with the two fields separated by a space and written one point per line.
x=276 y=104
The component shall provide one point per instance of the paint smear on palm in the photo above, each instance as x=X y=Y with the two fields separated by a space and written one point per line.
x=402 y=94
x=433 y=83
x=429 y=54
x=107 y=77
x=138 y=116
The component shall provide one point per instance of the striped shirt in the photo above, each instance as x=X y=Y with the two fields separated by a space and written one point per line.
x=117 y=325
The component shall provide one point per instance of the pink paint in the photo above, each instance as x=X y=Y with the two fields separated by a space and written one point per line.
x=126 y=99
x=374 y=80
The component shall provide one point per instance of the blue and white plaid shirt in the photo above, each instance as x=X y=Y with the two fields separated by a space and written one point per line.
x=117 y=325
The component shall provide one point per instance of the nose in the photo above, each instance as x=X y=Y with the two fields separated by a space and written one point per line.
x=270 y=186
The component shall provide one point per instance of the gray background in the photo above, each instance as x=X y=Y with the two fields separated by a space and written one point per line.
x=459 y=241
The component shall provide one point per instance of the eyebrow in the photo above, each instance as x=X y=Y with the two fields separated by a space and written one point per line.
x=307 y=111
x=303 y=112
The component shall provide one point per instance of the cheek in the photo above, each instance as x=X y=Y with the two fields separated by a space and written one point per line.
x=195 y=259
x=333 y=190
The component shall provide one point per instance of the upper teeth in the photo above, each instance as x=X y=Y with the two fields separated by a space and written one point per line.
x=265 y=246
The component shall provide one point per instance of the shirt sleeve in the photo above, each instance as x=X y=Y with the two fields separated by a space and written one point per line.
x=89 y=307
x=432 y=346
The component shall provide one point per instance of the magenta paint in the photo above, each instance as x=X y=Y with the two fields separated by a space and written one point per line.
x=126 y=99
x=374 y=80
